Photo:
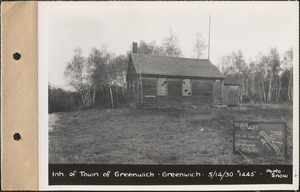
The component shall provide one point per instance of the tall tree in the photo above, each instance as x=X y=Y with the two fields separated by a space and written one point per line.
x=234 y=64
x=103 y=73
x=288 y=66
x=273 y=67
x=150 y=48
x=79 y=75
x=262 y=73
x=199 y=46
x=118 y=68
x=99 y=58
x=146 y=48
x=252 y=82
x=170 y=45
x=266 y=78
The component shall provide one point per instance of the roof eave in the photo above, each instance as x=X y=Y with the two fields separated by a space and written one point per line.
x=231 y=84
x=179 y=76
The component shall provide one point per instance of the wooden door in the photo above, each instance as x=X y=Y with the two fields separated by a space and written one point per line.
x=217 y=89
x=225 y=94
x=233 y=95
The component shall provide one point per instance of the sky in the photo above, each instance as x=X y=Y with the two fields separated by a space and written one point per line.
x=253 y=27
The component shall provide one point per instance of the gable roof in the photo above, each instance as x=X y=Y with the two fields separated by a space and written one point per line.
x=174 y=66
x=229 y=80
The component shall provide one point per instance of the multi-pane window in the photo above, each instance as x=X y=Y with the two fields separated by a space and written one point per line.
x=186 y=87
x=162 y=87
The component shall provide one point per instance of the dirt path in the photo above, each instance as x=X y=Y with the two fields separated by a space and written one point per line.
x=52 y=119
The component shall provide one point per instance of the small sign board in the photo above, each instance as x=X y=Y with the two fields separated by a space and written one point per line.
x=263 y=139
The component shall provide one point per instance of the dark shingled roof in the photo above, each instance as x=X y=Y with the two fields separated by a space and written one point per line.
x=230 y=81
x=175 y=66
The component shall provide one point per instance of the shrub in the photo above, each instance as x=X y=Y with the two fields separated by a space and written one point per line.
x=60 y=100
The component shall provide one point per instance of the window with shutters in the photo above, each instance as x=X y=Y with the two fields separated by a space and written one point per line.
x=162 y=87
x=186 y=87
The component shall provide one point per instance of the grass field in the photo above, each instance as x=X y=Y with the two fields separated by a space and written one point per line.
x=201 y=135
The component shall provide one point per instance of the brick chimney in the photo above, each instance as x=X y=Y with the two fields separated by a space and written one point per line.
x=134 y=48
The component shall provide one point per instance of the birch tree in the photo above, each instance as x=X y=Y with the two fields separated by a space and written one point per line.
x=79 y=75
x=273 y=67
x=266 y=78
x=199 y=46
x=262 y=74
x=103 y=74
x=288 y=66
x=234 y=65
x=170 y=45
x=151 y=48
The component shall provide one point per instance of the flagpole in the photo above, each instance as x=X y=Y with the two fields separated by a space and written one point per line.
x=209 y=38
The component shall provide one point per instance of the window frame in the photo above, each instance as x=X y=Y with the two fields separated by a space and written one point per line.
x=186 y=87
x=160 y=87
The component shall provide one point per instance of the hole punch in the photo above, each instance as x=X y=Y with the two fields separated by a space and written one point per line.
x=17 y=56
x=17 y=136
